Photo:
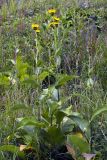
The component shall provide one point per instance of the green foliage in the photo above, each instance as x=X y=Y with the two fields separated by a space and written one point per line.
x=4 y=11
x=55 y=136
x=12 y=6
x=63 y=79
x=13 y=149
x=21 y=69
x=80 y=144
x=98 y=112
x=4 y=80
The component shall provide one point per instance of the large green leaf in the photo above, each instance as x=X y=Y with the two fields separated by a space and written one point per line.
x=59 y=116
x=30 y=121
x=63 y=79
x=98 y=112
x=79 y=143
x=11 y=148
x=67 y=111
x=61 y=113
x=21 y=69
x=55 y=135
x=81 y=123
x=67 y=125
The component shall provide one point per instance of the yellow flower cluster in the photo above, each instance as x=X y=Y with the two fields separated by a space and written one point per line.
x=53 y=23
x=55 y=20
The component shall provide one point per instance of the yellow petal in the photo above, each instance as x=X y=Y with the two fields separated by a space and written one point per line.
x=22 y=147
x=37 y=30
x=51 y=11
x=56 y=18
x=35 y=25
x=53 y=24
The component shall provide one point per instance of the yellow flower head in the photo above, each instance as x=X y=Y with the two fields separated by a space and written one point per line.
x=35 y=26
x=52 y=11
x=57 y=19
x=53 y=24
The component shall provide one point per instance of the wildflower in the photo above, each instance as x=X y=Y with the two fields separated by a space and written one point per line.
x=25 y=147
x=37 y=30
x=22 y=147
x=36 y=27
x=53 y=24
x=52 y=11
x=56 y=19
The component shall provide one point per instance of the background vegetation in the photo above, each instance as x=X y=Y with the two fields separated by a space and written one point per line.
x=53 y=80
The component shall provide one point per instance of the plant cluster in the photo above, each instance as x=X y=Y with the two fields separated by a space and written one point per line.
x=52 y=81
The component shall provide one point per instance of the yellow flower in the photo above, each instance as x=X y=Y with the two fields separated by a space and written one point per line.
x=25 y=147
x=56 y=19
x=22 y=147
x=78 y=134
x=37 y=30
x=35 y=26
x=52 y=11
x=53 y=24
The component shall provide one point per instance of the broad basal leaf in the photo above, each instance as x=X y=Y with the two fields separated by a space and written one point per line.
x=30 y=121
x=81 y=123
x=13 y=149
x=79 y=143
